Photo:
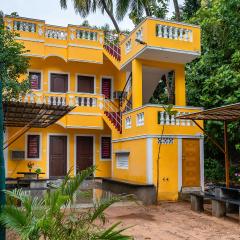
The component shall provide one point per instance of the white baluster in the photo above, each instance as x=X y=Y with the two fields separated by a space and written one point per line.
x=183 y=121
x=165 y=32
x=94 y=102
x=190 y=36
x=31 y=98
x=64 y=101
x=186 y=37
x=44 y=100
x=77 y=101
x=170 y=32
x=15 y=25
x=162 y=118
x=82 y=101
x=32 y=27
x=71 y=101
x=167 y=119
x=88 y=102
x=175 y=36
x=83 y=34
x=39 y=101
x=188 y=121
x=54 y=100
x=21 y=26
x=172 y=120
x=178 y=120
x=181 y=34
x=40 y=31
x=49 y=100
x=159 y=31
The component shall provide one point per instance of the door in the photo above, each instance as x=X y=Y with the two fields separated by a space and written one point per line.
x=107 y=87
x=84 y=152
x=190 y=163
x=58 y=82
x=58 y=156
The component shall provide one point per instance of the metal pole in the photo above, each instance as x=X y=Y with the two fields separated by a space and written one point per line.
x=226 y=154
x=2 y=166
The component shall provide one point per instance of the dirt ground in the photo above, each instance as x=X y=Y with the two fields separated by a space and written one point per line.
x=171 y=221
x=174 y=221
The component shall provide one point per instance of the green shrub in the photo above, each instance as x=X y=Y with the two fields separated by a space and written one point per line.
x=213 y=170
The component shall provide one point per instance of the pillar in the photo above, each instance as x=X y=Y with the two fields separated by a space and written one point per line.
x=180 y=90
x=136 y=83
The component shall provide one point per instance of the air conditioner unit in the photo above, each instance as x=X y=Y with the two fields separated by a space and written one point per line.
x=17 y=155
x=117 y=94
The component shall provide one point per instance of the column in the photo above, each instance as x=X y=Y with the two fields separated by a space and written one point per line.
x=180 y=91
x=136 y=83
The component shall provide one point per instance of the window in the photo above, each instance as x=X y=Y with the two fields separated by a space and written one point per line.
x=140 y=119
x=122 y=160
x=107 y=87
x=85 y=84
x=58 y=82
x=33 y=146
x=35 y=80
x=128 y=122
x=106 y=148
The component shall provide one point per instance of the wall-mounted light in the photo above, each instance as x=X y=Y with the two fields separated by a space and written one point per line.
x=140 y=41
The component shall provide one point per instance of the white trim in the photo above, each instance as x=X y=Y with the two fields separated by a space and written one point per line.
x=176 y=136
x=112 y=83
x=49 y=80
x=30 y=39
x=33 y=55
x=85 y=114
x=75 y=150
x=201 y=142
x=100 y=148
x=40 y=146
x=85 y=127
x=179 y=165
x=86 y=75
x=149 y=161
x=48 y=150
x=85 y=61
x=84 y=46
x=55 y=45
x=55 y=55
x=37 y=71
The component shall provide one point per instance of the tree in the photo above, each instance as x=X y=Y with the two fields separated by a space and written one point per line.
x=190 y=8
x=177 y=10
x=214 y=78
x=85 y=7
x=140 y=8
x=54 y=216
x=12 y=65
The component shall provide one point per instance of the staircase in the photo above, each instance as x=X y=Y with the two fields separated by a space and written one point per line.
x=126 y=97
x=113 y=113
x=112 y=47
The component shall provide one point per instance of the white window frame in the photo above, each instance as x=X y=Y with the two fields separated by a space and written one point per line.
x=37 y=71
x=112 y=84
x=117 y=160
x=100 y=146
x=128 y=122
x=49 y=81
x=40 y=146
x=87 y=75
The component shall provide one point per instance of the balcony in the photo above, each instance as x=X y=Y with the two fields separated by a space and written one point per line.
x=87 y=114
x=71 y=43
x=152 y=118
x=161 y=40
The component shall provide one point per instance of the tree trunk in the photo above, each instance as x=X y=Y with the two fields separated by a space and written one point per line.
x=110 y=14
x=177 y=11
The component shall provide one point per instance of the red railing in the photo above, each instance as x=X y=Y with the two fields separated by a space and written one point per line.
x=111 y=45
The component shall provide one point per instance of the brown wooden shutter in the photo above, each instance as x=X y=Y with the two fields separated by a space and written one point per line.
x=33 y=150
x=106 y=87
x=106 y=148
x=35 y=80
x=59 y=83
x=85 y=84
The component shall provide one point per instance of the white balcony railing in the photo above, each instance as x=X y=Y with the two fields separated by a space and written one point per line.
x=56 y=34
x=174 y=33
x=24 y=26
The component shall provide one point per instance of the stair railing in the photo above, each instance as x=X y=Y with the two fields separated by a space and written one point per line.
x=110 y=44
x=125 y=97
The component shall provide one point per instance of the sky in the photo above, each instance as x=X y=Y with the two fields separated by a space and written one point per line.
x=51 y=12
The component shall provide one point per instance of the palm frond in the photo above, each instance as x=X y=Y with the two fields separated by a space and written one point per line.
x=63 y=4
x=122 y=8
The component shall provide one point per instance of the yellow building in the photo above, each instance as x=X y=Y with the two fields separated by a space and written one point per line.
x=113 y=125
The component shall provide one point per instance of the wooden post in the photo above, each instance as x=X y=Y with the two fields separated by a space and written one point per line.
x=226 y=154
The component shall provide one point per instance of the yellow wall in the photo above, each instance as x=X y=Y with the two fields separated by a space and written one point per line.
x=13 y=166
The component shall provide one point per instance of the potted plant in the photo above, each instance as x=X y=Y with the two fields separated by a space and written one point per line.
x=30 y=166
x=38 y=171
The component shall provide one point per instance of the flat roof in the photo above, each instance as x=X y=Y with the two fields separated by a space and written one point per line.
x=225 y=113
x=33 y=115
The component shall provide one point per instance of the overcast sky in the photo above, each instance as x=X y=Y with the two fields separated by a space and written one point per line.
x=50 y=11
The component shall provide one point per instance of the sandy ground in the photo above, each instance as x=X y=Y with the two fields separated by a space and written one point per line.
x=171 y=221
x=174 y=221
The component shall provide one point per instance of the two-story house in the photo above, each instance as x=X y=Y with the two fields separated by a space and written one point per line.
x=113 y=125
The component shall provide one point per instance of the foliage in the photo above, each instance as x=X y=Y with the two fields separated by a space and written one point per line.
x=213 y=170
x=214 y=78
x=140 y=8
x=13 y=64
x=190 y=8
x=54 y=216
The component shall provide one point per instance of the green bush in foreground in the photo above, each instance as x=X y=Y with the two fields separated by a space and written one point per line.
x=54 y=216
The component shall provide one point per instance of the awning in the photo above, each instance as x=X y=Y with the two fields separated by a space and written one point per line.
x=225 y=113
x=33 y=115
